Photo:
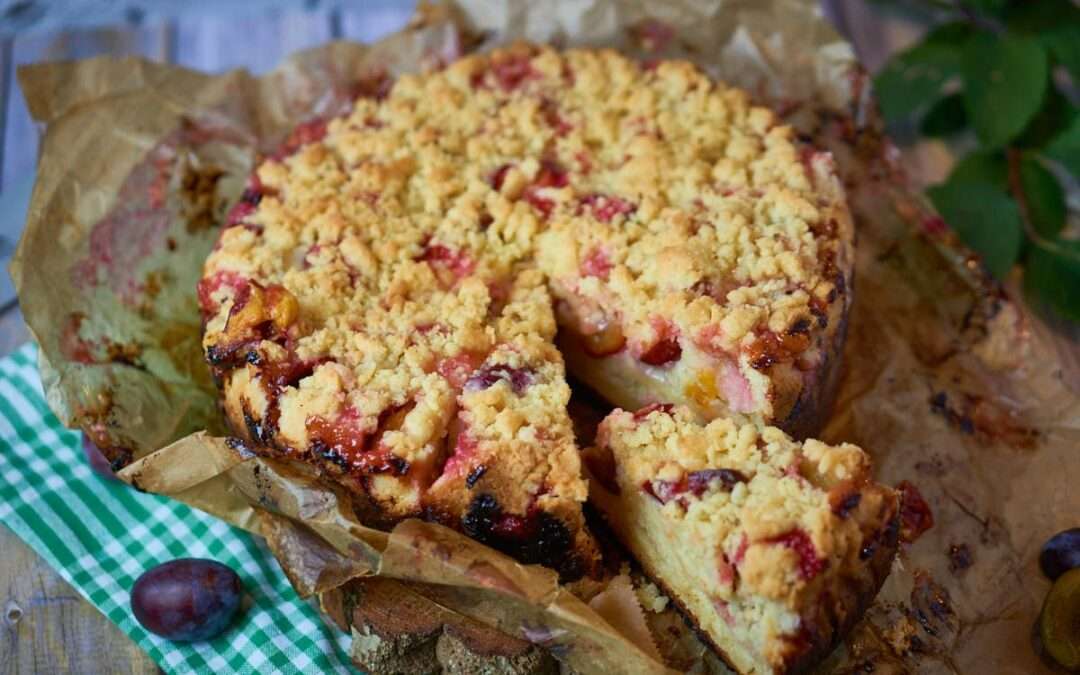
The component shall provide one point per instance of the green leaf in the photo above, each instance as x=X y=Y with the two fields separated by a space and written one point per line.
x=950 y=33
x=993 y=7
x=946 y=117
x=1055 y=23
x=1005 y=79
x=1044 y=197
x=982 y=167
x=985 y=218
x=914 y=78
x=1065 y=147
x=1064 y=43
x=1052 y=276
x=1037 y=16
x=1055 y=115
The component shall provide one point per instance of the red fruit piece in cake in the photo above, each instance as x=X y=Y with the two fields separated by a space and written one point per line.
x=605 y=207
x=550 y=175
x=312 y=131
x=512 y=71
x=596 y=264
x=457 y=369
x=209 y=286
x=517 y=378
x=642 y=413
x=550 y=111
x=666 y=349
x=344 y=439
x=449 y=264
x=243 y=208
x=498 y=177
x=810 y=565
x=736 y=388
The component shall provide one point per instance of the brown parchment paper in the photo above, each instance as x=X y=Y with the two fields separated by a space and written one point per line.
x=947 y=383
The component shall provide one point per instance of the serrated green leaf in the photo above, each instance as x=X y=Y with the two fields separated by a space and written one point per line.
x=946 y=117
x=1065 y=147
x=1052 y=277
x=1005 y=80
x=985 y=218
x=982 y=167
x=1044 y=198
x=914 y=78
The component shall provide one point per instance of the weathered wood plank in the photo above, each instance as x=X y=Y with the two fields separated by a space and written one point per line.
x=46 y=627
x=20 y=134
x=302 y=30
x=13 y=333
x=256 y=41
x=22 y=16
x=369 y=23
x=7 y=89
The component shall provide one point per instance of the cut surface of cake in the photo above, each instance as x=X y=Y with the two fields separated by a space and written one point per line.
x=383 y=302
x=771 y=548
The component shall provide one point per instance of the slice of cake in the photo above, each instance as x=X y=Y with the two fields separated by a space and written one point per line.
x=383 y=300
x=444 y=405
x=699 y=252
x=771 y=548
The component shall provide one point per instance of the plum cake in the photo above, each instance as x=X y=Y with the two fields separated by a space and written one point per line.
x=383 y=301
x=770 y=547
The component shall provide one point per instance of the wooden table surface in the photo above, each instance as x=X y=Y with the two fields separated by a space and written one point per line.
x=45 y=626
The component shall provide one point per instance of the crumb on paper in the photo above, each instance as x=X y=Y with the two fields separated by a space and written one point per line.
x=651 y=598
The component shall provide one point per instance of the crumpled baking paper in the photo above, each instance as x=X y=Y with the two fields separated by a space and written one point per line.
x=947 y=383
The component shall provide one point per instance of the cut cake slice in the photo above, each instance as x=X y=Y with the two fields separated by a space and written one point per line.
x=770 y=547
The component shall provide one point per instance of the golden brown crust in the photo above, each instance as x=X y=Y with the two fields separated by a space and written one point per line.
x=813 y=403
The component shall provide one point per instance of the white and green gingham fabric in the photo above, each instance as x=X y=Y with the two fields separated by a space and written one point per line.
x=101 y=535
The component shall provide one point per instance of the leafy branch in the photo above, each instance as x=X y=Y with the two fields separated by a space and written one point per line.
x=1006 y=73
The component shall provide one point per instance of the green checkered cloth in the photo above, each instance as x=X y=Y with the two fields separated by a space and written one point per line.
x=101 y=535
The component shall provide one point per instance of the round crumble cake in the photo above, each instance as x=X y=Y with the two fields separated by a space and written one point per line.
x=383 y=302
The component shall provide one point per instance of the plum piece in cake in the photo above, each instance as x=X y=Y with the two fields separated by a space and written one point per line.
x=771 y=548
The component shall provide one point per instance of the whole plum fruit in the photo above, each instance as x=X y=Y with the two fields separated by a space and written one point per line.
x=186 y=600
